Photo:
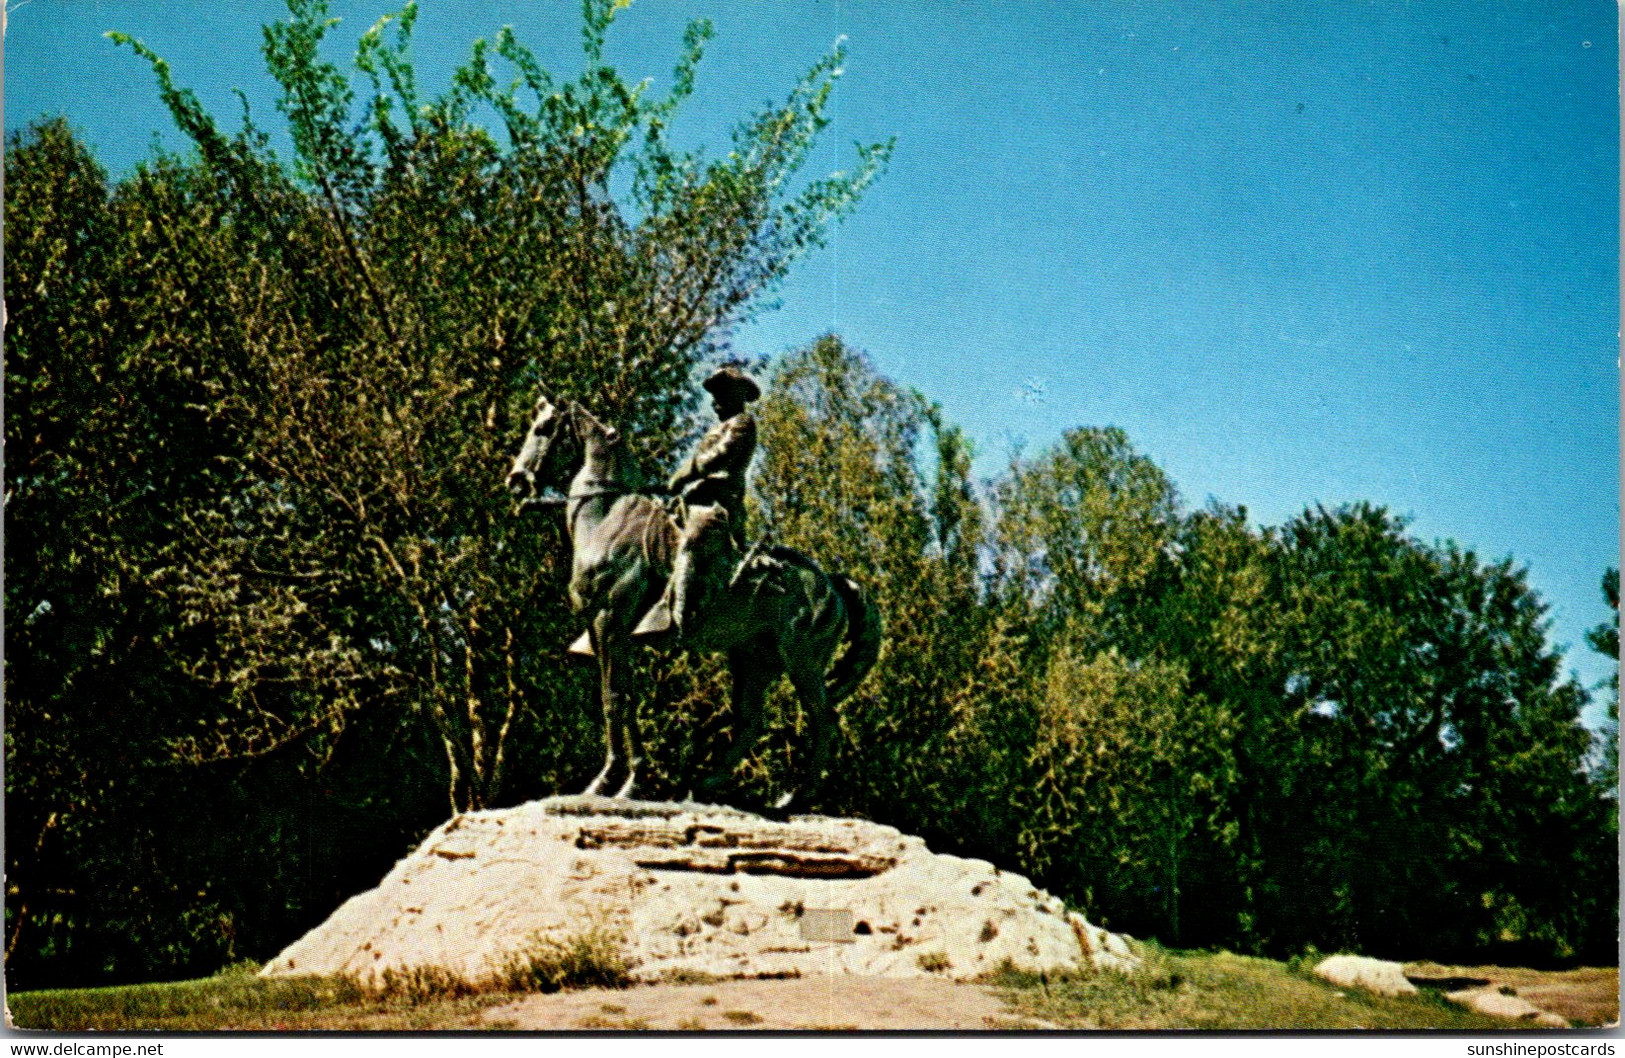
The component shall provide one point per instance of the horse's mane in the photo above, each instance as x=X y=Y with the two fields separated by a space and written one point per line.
x=656 y=530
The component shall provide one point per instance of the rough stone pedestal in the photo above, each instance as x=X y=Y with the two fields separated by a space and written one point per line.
x=696 y=889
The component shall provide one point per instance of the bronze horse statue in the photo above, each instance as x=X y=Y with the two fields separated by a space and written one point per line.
x=781 y=615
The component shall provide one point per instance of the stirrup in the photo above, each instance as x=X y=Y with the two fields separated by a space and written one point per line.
x=656 y=621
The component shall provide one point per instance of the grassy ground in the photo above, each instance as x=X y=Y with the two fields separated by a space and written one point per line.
x=1173 y=990
x=238 y=1000
x=1228 y=992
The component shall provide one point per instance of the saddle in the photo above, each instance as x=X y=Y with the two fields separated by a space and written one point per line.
x=754 y=570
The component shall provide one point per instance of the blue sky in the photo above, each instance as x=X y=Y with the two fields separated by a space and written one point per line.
x=1302 y=252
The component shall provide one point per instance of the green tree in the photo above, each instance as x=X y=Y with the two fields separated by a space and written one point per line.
x=1080 y=532
x=260 y=567
x=923 y=740
x=1123 y=762
x=1214 y=610
x=123 y=862
x=426 y=280
x=105 y=431
x=1533 y=808
x=1604 y=639
x=1438 y=785
x=1110 y=810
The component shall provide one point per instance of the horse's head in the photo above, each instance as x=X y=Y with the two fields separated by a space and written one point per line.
x=702 y=565
x=552 y=445
x=561 y=438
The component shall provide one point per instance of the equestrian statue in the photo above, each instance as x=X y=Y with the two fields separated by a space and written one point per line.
x=641 y=568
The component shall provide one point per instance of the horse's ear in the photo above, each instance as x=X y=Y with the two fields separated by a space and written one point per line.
x=542 y=403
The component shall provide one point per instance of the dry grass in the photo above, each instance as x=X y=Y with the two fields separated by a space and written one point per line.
x=587 y=960
x=685 y=976
x=621 y=1024
x=401 y=1000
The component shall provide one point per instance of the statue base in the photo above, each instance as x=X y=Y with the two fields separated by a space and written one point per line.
x=689 y=890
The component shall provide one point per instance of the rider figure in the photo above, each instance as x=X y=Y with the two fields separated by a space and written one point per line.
x=715 y=474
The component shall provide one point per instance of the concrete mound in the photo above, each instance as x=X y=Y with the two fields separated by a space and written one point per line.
x=688 y=889
x=1374 y=975
x=1500 y=1005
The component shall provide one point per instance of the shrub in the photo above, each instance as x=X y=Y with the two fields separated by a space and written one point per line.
x=593 y=959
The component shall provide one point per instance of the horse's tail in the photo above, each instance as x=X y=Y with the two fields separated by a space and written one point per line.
x=863 y=634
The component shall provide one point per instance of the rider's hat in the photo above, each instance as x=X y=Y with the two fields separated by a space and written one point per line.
x=730 y=380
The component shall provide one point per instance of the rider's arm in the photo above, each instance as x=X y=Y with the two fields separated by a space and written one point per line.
x=680 y=475
x=729 y=443
x=730 y=448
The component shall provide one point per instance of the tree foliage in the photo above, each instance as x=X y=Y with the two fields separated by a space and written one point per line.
x=1604 y=639
x=1081 y=530
x=914 y=731
x=1326 y=734
x=270 y=615
x=261 y=412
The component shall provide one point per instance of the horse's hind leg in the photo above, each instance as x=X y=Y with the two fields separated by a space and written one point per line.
x=809 y=685
x=753 y=666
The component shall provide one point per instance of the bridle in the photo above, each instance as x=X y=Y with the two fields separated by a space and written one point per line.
x=570 y=418
x=607 y=489
x=591 y=490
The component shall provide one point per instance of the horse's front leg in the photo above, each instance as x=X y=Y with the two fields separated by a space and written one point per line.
x=611 y=644
x=631 y=738
x=608 y=700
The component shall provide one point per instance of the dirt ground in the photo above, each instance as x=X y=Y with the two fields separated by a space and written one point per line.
x=802 y=1003
x=1586 y=996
